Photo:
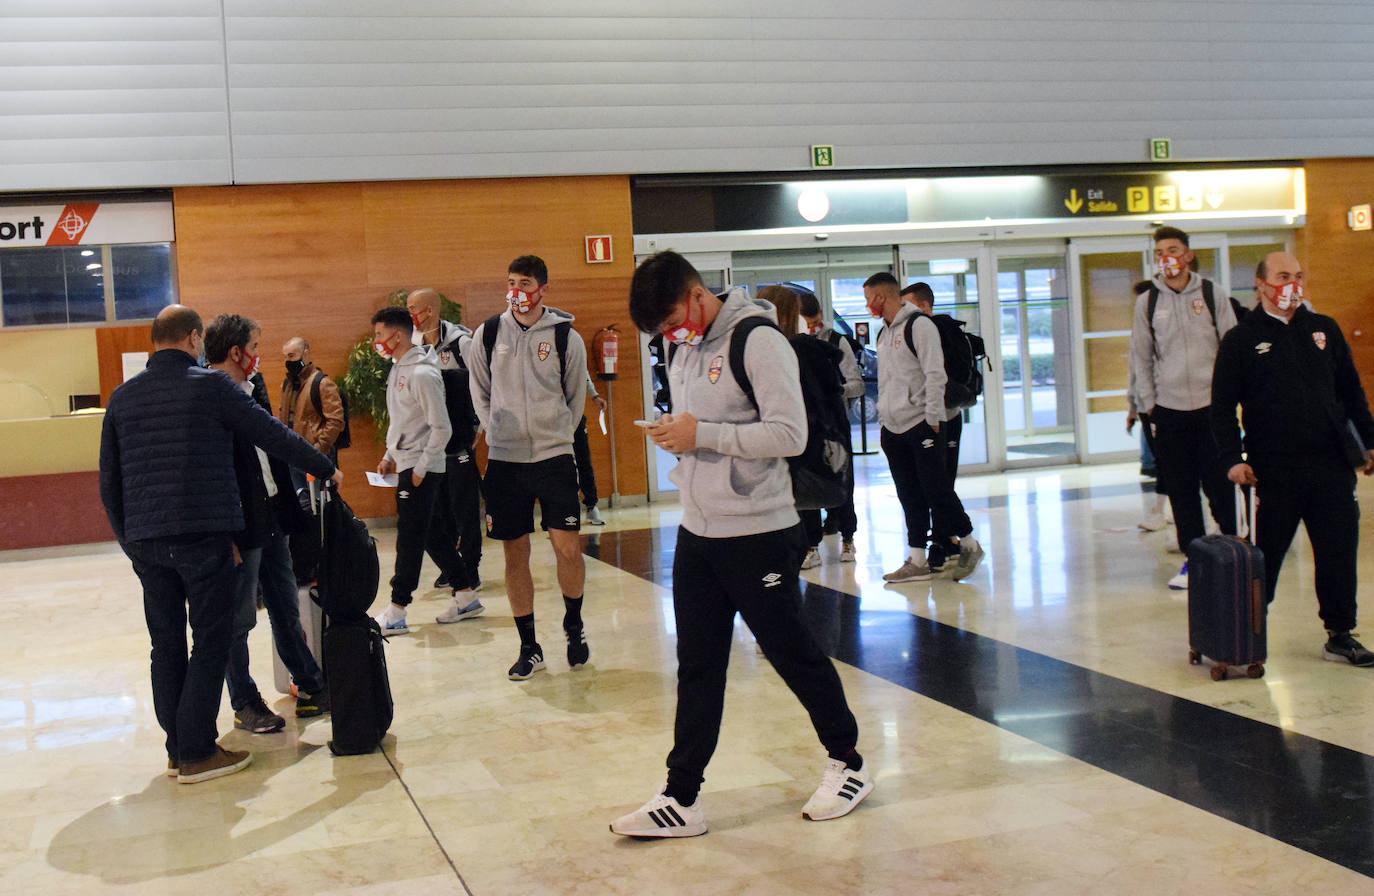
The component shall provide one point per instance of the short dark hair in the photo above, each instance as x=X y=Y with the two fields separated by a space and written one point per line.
x=225 y=332
x=530 y=266
x=1170 y=233
x=394 y=316
x=1262 y=270
x=882 y=278
x=920 y=290
x=810 y=305
x=174 y=323
x=657 y=286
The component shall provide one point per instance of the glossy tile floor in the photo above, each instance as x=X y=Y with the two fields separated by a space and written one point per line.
x=1034 y=730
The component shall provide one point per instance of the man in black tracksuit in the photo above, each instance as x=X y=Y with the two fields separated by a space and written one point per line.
x=1291 y=372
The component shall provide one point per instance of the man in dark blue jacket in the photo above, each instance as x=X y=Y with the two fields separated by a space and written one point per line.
x=168 y=485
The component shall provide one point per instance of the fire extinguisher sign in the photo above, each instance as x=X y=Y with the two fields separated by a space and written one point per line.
x=599 y=249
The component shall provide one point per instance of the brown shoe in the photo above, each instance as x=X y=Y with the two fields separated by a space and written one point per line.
x=223 y=762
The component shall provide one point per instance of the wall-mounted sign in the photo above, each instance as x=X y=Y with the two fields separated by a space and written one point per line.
x=599 y=249
x=1358 y=218
x=822 y=157
x=1161 y=149
x=85 y=223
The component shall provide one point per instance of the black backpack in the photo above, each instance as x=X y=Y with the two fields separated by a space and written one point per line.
x=964 y=354
x=349 y=572
x=458 y=399
x=821 y=474
x=1208 y=296
x=345 y=438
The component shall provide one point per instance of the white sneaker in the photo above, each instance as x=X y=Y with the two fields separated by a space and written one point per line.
x=847 y=552
x=392 y=621
x=841 y=790
x=662 y=816
x=1180 y=581
x=910 y=571
x=463 y=605
x=812 y=559
x=1153 y=522
x=594 y=517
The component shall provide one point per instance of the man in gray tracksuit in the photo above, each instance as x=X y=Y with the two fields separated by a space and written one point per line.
x=416 y=434
x=1172 y=356
x=529 y=385
x=740 y=544
x=911 y=409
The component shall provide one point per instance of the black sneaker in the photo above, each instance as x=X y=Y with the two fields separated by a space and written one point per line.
x=531 y=661
x=578 y=652
x=310 y=705
x=442 y=582
x=1342 y=648
x=258 y=719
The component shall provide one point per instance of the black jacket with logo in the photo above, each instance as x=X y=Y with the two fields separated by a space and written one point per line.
x=1296 y=384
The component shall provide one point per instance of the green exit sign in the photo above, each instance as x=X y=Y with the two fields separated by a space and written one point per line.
x=1161 y=149
x=822 y=157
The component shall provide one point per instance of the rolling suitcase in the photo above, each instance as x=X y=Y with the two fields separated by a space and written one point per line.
x=1227 y=604
x=312 y=624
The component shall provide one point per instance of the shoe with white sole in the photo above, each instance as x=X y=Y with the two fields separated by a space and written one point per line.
x=847 y=552
x=910 y=571
x=1180 y=581
x=841 y=789
x=461 y=606
x=662 y=816
x=970 y=555
x=392 y=621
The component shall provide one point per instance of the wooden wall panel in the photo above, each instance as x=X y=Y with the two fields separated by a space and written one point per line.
x=317 y=259
x=1336 y=260
x=110 y=345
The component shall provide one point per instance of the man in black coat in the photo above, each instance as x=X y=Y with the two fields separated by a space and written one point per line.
x=1291 y=372
x=169 y=489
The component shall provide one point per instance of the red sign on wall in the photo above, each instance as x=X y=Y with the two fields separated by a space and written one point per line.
x=599 y=249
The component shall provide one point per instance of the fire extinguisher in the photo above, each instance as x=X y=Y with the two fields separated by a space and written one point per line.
x=606 y=348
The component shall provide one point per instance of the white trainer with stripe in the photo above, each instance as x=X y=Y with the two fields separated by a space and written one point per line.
x=662 y=816
x=841 y=790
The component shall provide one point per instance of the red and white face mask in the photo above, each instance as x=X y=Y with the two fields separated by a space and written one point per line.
x=248 y=363
x=387 y=347
x=875 y=306
x=690 y=331
x=520 y=300
x=815 y=328
x=1286 y=295
x=1169 y=266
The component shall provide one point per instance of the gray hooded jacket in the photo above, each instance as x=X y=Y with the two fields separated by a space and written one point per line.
x=419 y=427
x=736 y=481
x=911 y=388
x=1174 y=368
x=528 y=411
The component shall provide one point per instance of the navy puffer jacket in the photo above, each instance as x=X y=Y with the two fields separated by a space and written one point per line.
x=167 y=453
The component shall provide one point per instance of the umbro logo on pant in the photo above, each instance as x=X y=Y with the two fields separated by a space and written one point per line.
x=772 y=580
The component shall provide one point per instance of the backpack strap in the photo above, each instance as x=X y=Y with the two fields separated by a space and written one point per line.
x=906 y=331
x=738 y=337
x=1208 y=296
x=315 y=393
x=492 y=327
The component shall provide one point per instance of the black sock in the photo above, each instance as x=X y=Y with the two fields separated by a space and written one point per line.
x=525 y=626
x=851 y=759
x=684 y=792
x=572 y=613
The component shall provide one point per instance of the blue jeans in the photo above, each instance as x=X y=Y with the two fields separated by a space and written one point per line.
x=188 y=578
x=270 y=564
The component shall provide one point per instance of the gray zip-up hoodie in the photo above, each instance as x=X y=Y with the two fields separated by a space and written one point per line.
x=736 y=482
x=1174 y=369
x=419 y=427
x=911 y=388
x=528 y=411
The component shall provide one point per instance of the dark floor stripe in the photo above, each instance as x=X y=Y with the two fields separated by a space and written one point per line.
x=1297 y=789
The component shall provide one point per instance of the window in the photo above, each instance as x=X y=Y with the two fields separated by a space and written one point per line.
x=57 y=286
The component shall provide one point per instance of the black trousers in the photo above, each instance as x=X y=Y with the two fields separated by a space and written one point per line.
x=586 y=476
x=1188 y=459
x=1319 y=493
x=462 y=508
x=420 y=528
x=925 y=488
x=755 y=576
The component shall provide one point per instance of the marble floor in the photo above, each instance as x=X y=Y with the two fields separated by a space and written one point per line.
x=1036 y=729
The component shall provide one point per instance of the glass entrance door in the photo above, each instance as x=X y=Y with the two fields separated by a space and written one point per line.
x=1034 y=334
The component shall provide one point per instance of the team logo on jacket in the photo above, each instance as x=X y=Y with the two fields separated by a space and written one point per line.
x=713 y=372
x=544 y=349
x=1263 y=348
x=1320 y=338
x=445 y=356
x=400 y=382
x=1198 y=306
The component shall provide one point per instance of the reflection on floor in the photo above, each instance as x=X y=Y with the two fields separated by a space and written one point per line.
x=1034 y=729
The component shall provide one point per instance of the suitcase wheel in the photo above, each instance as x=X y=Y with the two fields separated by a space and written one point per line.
x=1194 y=657
x=1219 y=672
x=1254 y=670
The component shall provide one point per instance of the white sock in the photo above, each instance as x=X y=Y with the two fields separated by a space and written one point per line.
x=917 y=556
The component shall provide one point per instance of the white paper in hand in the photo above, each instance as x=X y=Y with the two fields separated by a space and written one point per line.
x=601 y=418
x=377 y=479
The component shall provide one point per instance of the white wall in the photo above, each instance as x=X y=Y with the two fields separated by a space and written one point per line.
x=380 y=89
